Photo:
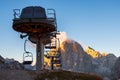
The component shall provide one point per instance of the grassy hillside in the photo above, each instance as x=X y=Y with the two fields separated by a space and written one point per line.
x=66 y=75
x=45 y=75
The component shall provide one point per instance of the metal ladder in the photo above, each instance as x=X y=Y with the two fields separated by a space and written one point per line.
x=53 y=53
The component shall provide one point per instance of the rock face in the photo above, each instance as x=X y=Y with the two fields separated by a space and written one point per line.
x=11 y=64
x=2 y=60
x=74 y=58
x=116 y=70
x=93 y=53
x=103 y=65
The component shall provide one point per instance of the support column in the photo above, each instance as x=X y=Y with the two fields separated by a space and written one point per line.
x=52 y=64
x=40 y=55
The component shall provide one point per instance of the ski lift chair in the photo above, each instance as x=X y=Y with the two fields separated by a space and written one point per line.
x=27 y=58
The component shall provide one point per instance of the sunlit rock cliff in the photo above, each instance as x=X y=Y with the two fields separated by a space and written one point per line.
x=102 y=62
x=93 y=53
x=74 y=57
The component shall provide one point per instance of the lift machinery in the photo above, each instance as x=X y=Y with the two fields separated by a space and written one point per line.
x=39 y=26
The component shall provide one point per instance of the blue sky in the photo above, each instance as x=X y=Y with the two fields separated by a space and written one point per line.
x=94 y=23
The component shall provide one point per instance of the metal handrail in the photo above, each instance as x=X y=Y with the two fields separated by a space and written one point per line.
x=52 y=12
x=16 y=13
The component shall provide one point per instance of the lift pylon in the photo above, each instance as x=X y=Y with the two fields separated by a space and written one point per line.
x=38 y=26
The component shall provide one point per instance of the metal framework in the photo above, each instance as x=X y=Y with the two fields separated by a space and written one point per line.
x=40 y=29
x=53 y=53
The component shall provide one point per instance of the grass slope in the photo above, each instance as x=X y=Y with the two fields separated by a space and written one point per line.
x=66 y=75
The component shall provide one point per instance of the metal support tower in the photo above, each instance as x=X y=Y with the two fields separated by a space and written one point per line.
x=35 y=23
x=40 y=55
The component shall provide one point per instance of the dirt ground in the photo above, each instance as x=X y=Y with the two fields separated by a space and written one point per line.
x=17 y=75
x=43 y=74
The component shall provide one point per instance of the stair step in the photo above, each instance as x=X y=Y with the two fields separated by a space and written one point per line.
x=50 y=47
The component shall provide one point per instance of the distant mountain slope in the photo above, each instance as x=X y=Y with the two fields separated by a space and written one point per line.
x=10 y=64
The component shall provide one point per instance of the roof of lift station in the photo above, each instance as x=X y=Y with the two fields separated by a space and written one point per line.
x=33 y=19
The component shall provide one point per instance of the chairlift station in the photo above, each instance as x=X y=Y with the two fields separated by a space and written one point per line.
x=40 y=27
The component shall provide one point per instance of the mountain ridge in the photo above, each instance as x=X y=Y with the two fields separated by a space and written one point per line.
x=75 y=58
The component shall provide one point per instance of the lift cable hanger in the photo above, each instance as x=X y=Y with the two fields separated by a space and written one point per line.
x=27 y=55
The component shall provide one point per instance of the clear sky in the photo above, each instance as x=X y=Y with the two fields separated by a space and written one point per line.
x=94 y=23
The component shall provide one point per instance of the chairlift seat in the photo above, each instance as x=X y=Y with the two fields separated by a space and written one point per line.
x=27 y=62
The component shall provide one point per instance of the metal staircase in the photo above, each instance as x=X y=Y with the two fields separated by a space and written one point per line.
x=53 y=53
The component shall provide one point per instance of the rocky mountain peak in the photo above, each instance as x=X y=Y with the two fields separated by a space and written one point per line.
x=93 y=53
